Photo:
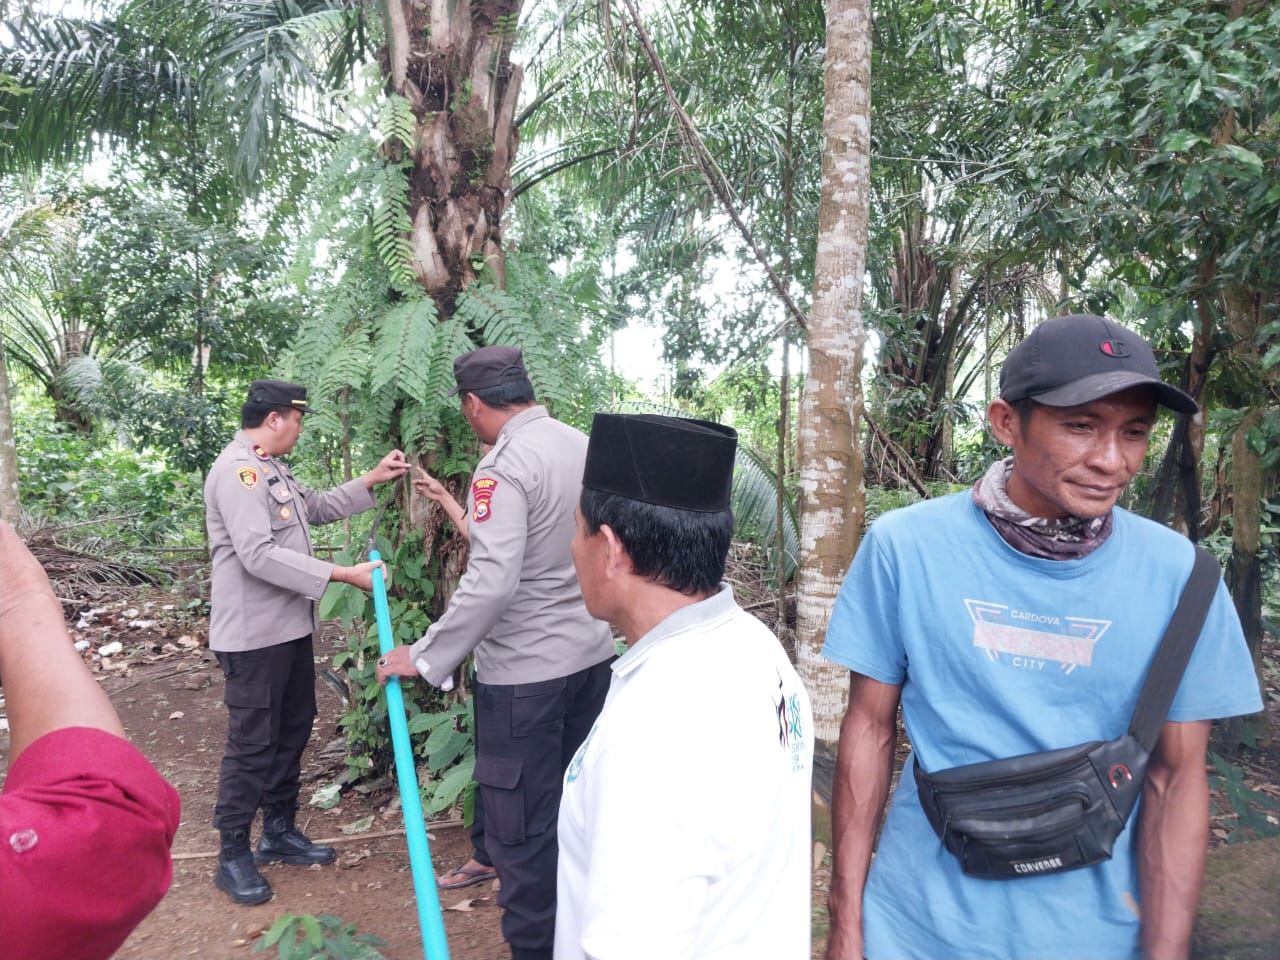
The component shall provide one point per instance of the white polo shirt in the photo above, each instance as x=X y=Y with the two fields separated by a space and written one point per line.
x=684 y=826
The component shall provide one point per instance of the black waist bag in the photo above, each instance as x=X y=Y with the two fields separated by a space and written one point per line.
x=1062 y=809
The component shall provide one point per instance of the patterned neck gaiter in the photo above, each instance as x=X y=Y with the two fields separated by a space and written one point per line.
x=1067 y=539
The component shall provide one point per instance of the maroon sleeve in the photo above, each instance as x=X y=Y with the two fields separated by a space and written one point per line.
x=86 y=824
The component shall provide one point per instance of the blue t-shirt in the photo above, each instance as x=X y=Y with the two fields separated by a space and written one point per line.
x=1000 y=654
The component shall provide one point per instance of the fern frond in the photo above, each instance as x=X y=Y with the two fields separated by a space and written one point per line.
x=402 y=347
x=499 y=317
x=396 y=120
x=346 y=366
x=391 y=226
x=379 y=410
x=450 y=341
x=349 y=166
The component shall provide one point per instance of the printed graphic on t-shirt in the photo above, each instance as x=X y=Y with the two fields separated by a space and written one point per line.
x=1001 y=630
x=791 y=732
x=575 y=765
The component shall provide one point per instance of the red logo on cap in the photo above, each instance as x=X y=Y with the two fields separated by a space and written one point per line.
x=1114 y=348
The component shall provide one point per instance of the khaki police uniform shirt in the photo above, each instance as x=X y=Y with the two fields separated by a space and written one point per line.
x=518 y=605
x=265 y=580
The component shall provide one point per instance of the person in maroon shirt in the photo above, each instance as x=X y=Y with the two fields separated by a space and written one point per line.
x=86 y=822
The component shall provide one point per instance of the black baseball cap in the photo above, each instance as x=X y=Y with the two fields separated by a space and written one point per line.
x=666 y=461
x=1072 y=360
x=488 y=367
x=279 y=393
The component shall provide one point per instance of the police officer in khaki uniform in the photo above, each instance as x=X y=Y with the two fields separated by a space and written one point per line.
x=263 y=616
x=542 y=661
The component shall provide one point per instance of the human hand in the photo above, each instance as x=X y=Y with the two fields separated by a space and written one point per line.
x=390 y=467
x=361 y=575
x=396 y=663
x=428 y=486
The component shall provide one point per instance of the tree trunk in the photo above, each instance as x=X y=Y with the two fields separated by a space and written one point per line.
x=10 y=504
x=452 y=61
x=1244 y=571
x=833 y=500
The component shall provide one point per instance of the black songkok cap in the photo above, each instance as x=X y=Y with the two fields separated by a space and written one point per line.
x=279 y=393
x=488 y=367
x=666 y=461
x=1074 y=360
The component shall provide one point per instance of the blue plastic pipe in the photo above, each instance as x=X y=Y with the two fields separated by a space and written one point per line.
x=430 y=919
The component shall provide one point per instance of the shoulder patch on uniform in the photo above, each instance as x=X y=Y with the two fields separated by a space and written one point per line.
x=248 y=477
x=482 y=493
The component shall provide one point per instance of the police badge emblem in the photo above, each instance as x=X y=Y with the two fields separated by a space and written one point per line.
x=481 y=494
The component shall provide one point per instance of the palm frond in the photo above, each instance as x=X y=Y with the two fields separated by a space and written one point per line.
x=270 y=58
x=77 y=86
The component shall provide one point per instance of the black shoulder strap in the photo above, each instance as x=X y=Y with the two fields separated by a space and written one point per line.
x=1175 y=650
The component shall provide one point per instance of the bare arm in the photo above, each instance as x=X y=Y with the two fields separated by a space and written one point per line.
x=428 y=486
x=864 y=767
x=46 y=685
x=1173 y=839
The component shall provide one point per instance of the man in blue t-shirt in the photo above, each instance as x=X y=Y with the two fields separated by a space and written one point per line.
x=1020 y=617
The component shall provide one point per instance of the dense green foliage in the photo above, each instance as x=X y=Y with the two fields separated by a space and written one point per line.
x=90 y=480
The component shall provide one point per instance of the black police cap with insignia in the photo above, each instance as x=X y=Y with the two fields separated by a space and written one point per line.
x=279 y=393
x=665 y=461
x=488 y=367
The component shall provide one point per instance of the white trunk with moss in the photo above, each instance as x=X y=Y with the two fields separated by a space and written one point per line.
x=831 y=471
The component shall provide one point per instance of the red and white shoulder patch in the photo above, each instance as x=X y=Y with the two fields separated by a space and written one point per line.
x=248 y=477
x=481 y=495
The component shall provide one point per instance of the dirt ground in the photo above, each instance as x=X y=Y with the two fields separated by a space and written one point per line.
x=167 y=689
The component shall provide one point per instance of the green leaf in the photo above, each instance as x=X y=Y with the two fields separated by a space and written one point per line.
x=333 y=600
x=1181 y=140
x=363 y=825
x=439 y=737
x=447 y=791
x=278 y=930
x=455 y=747
x=1245 y=157
x=327 y=797
x=1256 y=441
x=314 y=935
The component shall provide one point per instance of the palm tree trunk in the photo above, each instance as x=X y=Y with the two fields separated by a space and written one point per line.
x=452 y=61
x=831 y=480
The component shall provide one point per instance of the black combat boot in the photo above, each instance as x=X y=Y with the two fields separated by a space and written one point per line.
x=282 y=842
x=237 y=876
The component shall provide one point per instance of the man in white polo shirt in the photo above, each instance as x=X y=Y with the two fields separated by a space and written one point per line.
x=684 y=823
